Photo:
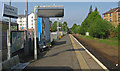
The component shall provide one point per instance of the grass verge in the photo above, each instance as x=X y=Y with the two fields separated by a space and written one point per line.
x=109 y=41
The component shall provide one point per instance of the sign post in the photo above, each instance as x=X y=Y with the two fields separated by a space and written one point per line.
x=11 y=12
x=9 y=44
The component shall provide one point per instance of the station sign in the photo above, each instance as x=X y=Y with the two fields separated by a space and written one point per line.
x=10 y=11
x=51 y=11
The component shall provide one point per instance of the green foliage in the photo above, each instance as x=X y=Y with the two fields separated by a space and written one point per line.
x=91 y=19
x=115 y=31
x=100 y=29
x=75 y=28
x=90 y=11
x=69 y=31
x=96 y=9
x=64 y=27
x=54 y=26
x=95 y=25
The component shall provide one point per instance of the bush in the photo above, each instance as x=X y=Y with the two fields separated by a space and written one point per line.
x=100 y=29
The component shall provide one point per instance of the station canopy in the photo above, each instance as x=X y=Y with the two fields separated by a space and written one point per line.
x=51 y=11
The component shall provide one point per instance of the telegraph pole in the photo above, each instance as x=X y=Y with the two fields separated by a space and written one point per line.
x=9 y=44
x=26 y=49
x=27 y=17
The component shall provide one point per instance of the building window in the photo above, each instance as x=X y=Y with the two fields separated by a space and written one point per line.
x=107 y=19
x=119 y=19
x=20 y=21
x=105 y=15
x=110 y=14
x=20 y=27
x=118 y=13
x=20 y=24
x=110 y=20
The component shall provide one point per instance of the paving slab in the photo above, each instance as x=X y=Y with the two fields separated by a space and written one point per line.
x=85 y=60
x=66 y=54
x=61 y=56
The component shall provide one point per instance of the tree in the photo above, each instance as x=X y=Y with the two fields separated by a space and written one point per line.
x=76 y=30
x=96 y=9
x=96 y=26
x=73 y=27
x=64 y=27
x=90 y=11
x=100 y=29
x=88 y=22
x=54 y=26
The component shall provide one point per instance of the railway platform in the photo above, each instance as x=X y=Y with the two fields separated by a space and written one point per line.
x=67 y=54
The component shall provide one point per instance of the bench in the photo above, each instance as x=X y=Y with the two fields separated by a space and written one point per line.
x=14 y=64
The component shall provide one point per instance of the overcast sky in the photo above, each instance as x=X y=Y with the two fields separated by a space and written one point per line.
x=75 y=12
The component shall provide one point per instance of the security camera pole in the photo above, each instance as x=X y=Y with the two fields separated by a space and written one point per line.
x=9 y=44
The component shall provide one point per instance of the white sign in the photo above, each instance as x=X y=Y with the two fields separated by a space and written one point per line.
x=87 y=33
x=10 y=11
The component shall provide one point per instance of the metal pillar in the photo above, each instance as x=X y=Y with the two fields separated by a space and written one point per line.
x=9 y=44
x=57 y=27
x=35 y=33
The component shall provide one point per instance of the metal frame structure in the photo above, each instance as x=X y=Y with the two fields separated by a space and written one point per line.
x=35 y=30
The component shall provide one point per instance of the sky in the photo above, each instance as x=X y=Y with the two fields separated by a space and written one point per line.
x=75 y=12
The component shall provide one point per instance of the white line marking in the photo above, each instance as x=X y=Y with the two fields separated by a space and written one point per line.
x=105 y=68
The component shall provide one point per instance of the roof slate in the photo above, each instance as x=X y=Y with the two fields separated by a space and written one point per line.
x=112 y=10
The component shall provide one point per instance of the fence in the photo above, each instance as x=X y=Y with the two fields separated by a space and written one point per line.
x=53 y=36
x=17 y=40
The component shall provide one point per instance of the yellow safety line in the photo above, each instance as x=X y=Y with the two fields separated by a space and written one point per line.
x=80 y=58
